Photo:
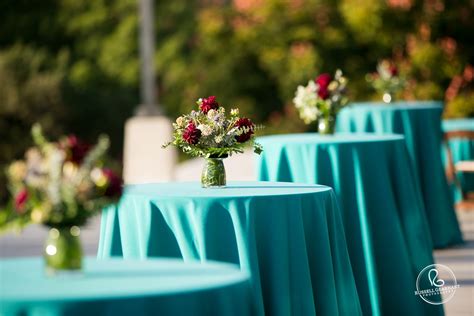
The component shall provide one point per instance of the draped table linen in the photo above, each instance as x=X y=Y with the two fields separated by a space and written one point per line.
x=385 y=225
x=119 y=287
x=461 y=150
x=288 y=237
x=420 y=123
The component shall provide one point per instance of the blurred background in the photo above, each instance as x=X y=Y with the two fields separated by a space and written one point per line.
x=74 y=65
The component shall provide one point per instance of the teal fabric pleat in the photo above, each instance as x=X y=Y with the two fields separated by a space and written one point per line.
x=387 y=231
x=420 y=123
x=288 y=237
x=120 y=287
x=461 y=150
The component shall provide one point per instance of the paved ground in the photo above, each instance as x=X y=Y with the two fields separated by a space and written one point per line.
x=460 y=259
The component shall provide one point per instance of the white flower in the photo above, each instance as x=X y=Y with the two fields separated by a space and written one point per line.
x=216 y=117
x=234 y=112
x=306 y=100
x=206 y=130
x=309 y=114
x=218 y=139
x=211 y=114
x=181 y=121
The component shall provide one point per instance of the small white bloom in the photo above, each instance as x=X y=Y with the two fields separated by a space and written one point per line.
x=211 y=114
x=218 y=139
x=305 y=101
x=180 y=121
x=234 y=112
x=206 y=130
x=309 y=114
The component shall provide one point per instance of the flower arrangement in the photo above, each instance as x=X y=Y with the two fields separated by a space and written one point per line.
x=61 y=185
x=387 y=80
x=321 y=100
x=209 y=133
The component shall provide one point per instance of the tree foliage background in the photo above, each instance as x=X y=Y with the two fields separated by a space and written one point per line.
x=73 y=65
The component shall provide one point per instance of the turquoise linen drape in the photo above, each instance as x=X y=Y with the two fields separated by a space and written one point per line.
x=289 y=237
x=118 y=287
x=461 y=150
x=420 y=123
x=386 y=228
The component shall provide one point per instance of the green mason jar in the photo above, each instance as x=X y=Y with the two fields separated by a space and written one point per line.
x=63 y=250
x=213 y=174
x=327 y=125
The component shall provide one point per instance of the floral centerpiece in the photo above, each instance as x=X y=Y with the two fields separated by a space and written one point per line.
x=386 y=80
x=209 y=133
x=321 y=100
x=61 y=185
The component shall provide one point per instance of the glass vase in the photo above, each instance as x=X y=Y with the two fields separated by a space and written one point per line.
x=63 y=250
x=388 y=97
x=327 y=125
x=213 y=174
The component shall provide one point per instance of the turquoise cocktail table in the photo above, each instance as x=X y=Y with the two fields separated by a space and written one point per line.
x=384 y=220
x=288 y=237
x=420 y=123
x=119 y=287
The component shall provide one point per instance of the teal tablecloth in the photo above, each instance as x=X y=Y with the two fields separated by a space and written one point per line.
x=420 y=123
x=289 y=237
x=461 y=150
x=119 y=287
x=385 y=225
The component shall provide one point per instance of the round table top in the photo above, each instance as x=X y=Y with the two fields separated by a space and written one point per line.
x=464 y=124
x=398 y=105
x=25 y=280
x=338 y=138
x=233 y=189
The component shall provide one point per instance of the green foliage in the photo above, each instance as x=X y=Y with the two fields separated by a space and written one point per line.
x=70 y=65
x=73 y=65
x=461 y=106
x=30 y=90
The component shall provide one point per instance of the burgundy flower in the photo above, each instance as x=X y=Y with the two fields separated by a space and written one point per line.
x=208 y=104
x=114 y=187
x=393 y=70
x=191 y=134
x=20 y=200
x=323 y=82
x=77 y=149
x=244 y=122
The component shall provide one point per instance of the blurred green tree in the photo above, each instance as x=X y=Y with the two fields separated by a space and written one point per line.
x=73 y=65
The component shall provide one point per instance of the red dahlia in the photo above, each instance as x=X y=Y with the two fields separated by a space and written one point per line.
x=393 y=70
x=20 y=200
x=244 y=122
x=191 y=134
x=114 y=187
x=77 y=149
x=208 y=104
x=323 y=82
